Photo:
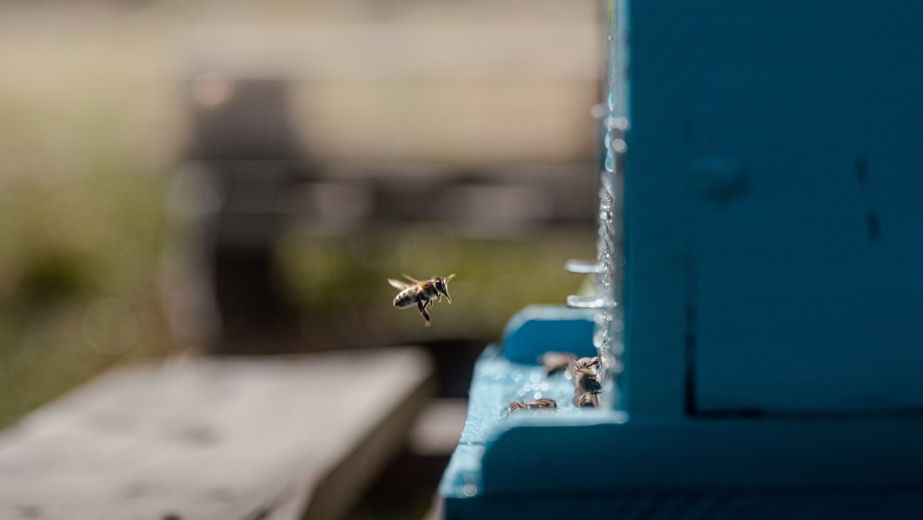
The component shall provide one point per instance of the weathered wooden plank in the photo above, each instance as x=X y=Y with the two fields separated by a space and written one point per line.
x=215 y=438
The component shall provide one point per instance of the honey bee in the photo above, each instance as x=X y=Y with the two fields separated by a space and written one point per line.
x=583 y=371
x=422 y=293
x=538 y=404
x=585 y=399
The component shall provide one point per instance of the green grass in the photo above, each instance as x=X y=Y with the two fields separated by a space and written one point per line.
x=77 y=283
x=83 y=156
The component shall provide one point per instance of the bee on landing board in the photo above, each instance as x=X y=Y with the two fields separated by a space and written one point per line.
x=585 y=399
x=586 y=377
x=422 y=293
x=536 y=405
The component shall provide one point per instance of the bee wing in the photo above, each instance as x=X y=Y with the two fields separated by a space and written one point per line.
x=398 y=284
x=411 y=279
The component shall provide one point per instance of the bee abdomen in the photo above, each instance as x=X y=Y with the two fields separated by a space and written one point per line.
x=405 y=298
x=586 y=399
x=588 y=383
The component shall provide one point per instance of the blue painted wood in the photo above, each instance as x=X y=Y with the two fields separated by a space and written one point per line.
x=674 y=467
x=706 y=454
x=774 y=216
x=791 y=285
x=541 y=328
x=495 y=384
x=893 y=504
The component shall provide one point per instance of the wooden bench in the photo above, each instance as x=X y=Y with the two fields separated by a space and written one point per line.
x=227 y=438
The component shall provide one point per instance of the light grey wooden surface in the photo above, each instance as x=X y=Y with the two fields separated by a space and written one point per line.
x=226 y=439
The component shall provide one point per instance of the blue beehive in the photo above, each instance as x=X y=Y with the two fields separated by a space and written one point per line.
x=767 y=339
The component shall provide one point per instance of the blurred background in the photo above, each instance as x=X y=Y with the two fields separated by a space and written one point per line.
x=241 y=177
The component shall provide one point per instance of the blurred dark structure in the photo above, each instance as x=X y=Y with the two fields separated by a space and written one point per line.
x=243 y=136
x=453 y=360
x=241 y=119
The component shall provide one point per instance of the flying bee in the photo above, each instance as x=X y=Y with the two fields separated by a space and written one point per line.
x=537 y=405
x=422 y=293
x=583 y=371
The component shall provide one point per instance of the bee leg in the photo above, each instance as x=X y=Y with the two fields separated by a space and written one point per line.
x=422 y=306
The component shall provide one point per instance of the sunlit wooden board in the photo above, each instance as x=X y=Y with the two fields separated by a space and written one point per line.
x=241 y=438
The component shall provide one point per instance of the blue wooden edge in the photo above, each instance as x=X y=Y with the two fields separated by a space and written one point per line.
x=500 y=460
x=541 y=328
x=496 y=383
